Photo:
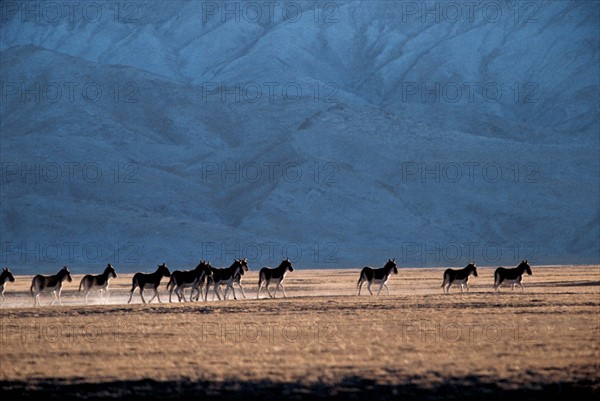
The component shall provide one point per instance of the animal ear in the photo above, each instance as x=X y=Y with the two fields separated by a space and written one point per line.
x=525 y=260
x=393 y=260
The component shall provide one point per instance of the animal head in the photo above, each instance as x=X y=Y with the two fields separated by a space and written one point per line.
x=206 y=267
x=65 y=272
x=471 y=267
x=111 y=271
x=525 y=266
x=8 y=274
x=287 y=264
x=164 y=270
x=244 y=264
x=391 y=264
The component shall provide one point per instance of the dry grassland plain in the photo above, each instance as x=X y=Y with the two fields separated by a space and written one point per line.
x=321 y=342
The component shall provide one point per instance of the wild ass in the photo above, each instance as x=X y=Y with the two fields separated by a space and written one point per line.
x=98 y=282
x=150 y=281
x=377 y=276
x=226 y=277
x=276 y=275
x=5 y=276
x=511 y=276
x=458 y=276
x=52 y=284
x=182 y=279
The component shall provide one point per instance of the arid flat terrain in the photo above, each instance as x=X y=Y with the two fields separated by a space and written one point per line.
x=322 y=341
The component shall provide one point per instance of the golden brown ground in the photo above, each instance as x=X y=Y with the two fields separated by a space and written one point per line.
x=322 y=341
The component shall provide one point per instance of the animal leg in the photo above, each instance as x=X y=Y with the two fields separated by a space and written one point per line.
x=268 y=291
x=242 y=289
x=283 y=290
x=53 y=298
x=360 y=284
x=142 y=295
x=131 y=295
x=380 y=287
x=226 y=292
x=369 y=288
x=217 y=292
x=107 y=295
x=387 y=288
x=259 y=287
x=157 y=295
x=232 y=290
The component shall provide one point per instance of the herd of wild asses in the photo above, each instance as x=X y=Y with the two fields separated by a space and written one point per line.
x=204 y=277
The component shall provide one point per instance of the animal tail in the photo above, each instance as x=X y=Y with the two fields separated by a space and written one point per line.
x=359 y=280
x=260 y=278
x=80 y=285
x=171 y=282
x=444 y=281
x=31 y=289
